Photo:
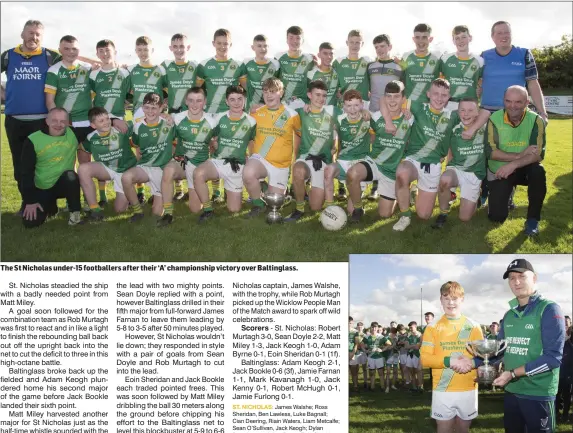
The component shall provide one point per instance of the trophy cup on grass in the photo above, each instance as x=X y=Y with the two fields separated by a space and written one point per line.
x=275 y=201
x=486 y=349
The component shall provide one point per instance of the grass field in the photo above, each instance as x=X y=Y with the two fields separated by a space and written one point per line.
x=232 y=238
x=403 y=412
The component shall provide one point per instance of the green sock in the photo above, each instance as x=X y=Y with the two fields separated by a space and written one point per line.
x=444 y=212
x=95 y=208
x=258 y=202
x=140 y=188
x=207 y=206
x=168 y=208
x=102 y=195
x=216 y=192
x=178 y=188
x=328 y=203
x=407 y=213
x=300 y=206
x=136 y=208
x=358 y=204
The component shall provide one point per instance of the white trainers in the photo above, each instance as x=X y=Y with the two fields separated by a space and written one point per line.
x=402 y=223
x=387 y=390
x=75 y=218
x=394 y=388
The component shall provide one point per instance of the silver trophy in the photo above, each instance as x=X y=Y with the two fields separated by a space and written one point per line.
x=275 y=201
x=484 y=349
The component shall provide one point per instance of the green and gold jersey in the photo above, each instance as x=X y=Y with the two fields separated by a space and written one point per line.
x=113 y=149
x=146 y=79
x=72 y=89
x=234 y=136
x=193 y=137
x=317 y=133
x=218 y=75
x=414 y=339
x=179 y=78
x=419 y=72
x=353 y=339
x=109 y=90
x=467 y=155
x=463 y=75
x=353 y=74
x=330 y=78
x=401 y=339
x=256 y=74
x=429 y=130
x=353 y=138
x=387 y=149
x=155 y=142
x=375 y=344
x=293 y=74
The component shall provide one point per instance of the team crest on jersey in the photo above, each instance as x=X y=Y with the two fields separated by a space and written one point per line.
x=353 y=131
x=271 y=71
x=245 y=128
x=364 y=128
x=432 y=62
x=232 y=67
x=82 y=72
x=194 y=130
x=156 y=74
x=480 y=132
x=205 y=129
x=404 y=126
x=165 y=130
x=303 y=63
x=190 y=68
x=473 y=67
x=363 y=65
x=444 y=120
x=114 y=137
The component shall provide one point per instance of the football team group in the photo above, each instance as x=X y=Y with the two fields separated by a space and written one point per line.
x=295 y=122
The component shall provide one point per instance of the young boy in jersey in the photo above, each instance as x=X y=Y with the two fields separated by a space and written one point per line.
x=381 y=163
x=375 y=359
x=294 y=68
x=144 y=78
x=235 y=130
x=413 y=359
x=454 y=389
x=255 y=71
x=109 y=87
x=273 y=147
x=466 y=167
x=317 y=145
x=193 y=131
x=401 y=342
x=354 y=138
x=153 y=136
x=180 y=76
x=325 y=72
x=112 y=154
x=392 y=362
x=218 y=73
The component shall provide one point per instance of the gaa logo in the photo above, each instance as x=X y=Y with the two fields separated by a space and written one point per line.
x=529 y=326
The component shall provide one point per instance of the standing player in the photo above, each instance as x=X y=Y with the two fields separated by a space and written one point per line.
x=256 y=71
x=413 y=360
x=467 y=166
x=454 y=390
x=392 y=361
x=235 y=130
x=401 y=342
x=294 y=68
x=273 y=147
x=354 y=137
x=154 y=138
x=193 y=130
x=317 y=145
x=354 y=343
x=375 y=357
x=421 y=66
x=462 y=69
x=387 y=150
x=325 y=72
x=112 y=154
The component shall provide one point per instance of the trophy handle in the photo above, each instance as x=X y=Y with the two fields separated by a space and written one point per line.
x=288 y=199
x=471 y=351
x=502 y=347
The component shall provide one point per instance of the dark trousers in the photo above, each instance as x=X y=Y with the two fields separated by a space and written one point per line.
x=17 y=131
x=68 y=187
x=533 y=176
x=563 y=401
x=521 y=415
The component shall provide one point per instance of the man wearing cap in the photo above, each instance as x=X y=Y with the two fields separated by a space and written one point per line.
x=535 y=333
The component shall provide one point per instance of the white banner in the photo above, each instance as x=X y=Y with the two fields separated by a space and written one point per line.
x=559 y=104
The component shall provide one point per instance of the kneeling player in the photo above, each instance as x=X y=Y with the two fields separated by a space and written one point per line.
x=234 y=130
x=194 y=130
x=387 y=150
x=112 y=156
x=154 y=137
x=354 y=137
x=272 y=151
x=315 y=151
x=467 y=166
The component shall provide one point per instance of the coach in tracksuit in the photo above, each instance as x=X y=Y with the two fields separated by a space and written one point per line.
x=535 y=333
x=26 y=67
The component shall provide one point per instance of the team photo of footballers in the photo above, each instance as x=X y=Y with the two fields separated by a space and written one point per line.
x=416 y=135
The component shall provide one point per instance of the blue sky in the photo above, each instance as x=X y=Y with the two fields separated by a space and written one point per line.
x=387 y=287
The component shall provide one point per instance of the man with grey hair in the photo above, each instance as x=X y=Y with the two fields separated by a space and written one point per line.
x=534 y=330
x=515 y=147
x=26 y=67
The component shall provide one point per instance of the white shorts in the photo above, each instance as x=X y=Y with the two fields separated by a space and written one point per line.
x=403 y=359
x=427 y=181
x=412 y=362
x=386 y=186
x=344 y=167
x=447 y=405
x=452 y=105
x=316 y=177
x=354 y=361
x=393 y=360
x=116 y=179
x=362 y=358
x=154 y=174
x=295 y=103
x=278 y=177
x=189 y=169
x=233 y=181
x=374 y=364
x=469 y=184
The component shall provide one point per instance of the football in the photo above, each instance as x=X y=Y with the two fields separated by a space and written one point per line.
x=333 y=218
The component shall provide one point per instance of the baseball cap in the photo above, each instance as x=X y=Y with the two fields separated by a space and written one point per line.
x=518 y=265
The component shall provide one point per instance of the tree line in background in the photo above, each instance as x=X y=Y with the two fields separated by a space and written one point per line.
x=554 y=64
